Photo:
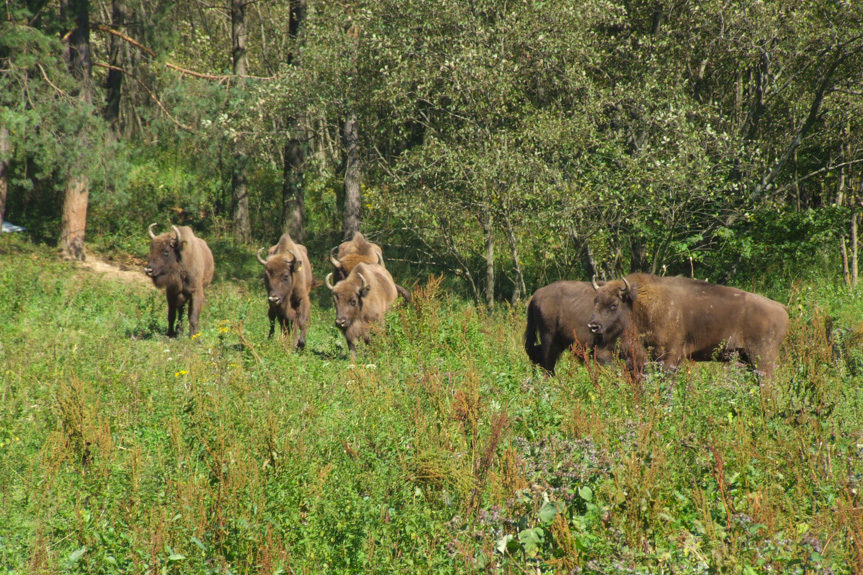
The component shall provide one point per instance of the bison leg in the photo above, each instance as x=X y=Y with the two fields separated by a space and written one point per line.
x=195 y=311
x=303 y=322
x=550 y=350
x=271 y=314
x=172 y=316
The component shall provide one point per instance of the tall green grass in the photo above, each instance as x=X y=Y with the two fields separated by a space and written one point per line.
x=437 y=449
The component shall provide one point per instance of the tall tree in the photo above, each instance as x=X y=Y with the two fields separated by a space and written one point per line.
x=239 y=179
x=114 y=79
x=353 y=173
x=296 y=148
x=5 y=147
x=77 y=194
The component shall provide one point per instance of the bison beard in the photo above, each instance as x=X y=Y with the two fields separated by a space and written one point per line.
x=674 y=319
x=182 y=265
x=558 y=314
x=288 y=279
x=361 y=299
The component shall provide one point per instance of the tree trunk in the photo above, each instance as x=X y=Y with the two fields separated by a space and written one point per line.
x=353 y=190
x=520 y=288
x=485 y=222
x=293 y=190
x=5 y=146
x=114 y=82
x=239 y=184
x=238 y=37
x=240 y=187
x=74 y=220
x=854 y=242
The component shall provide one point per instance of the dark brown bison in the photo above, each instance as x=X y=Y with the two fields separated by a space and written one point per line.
x=559 y=313
x=673 y=319
x=288 y=279
x=358 y=250
x=182 y=265
x=361 y=299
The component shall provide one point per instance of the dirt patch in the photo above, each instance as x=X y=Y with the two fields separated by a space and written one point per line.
x=131 y=272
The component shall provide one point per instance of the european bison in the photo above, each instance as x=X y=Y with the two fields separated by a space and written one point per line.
x=559 y=313
x=350 y=253
x=182 y=265
x=288 y=279
x=358 y=250
x=361 y=299
x=672 y=319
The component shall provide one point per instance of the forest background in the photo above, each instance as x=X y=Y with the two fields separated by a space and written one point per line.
x=507 y=144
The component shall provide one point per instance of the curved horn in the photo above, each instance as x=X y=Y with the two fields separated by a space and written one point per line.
x=364 y=281
x=292 y=253
x=177 y=231
x=628 y=287
x=328 y=283
x=262 y=261
x=593 y=283
x=333 y=260
x=150 y=231
x=380 y=258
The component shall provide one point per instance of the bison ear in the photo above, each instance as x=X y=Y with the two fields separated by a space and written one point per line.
x=629 y=294
x=298 y=267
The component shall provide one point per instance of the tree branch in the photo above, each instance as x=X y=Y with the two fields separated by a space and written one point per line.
x=146 y=89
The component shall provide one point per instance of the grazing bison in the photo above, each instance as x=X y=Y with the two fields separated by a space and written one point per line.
x=288 y=278
x=182 y=265
x=559 y=313
x=361 y=299
x=672 y=319
x=358 y=250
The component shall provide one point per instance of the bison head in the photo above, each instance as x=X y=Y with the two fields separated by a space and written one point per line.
x=612 y=308
x=348 y=296
x=165 y=253
x=279 y=275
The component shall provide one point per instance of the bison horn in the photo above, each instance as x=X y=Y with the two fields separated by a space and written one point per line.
x=150 y=231
x=333 y=260
x=593 y=283
x=292 y=253
x=380 y=258
x=628 y=287
x=260 y=259
x=328 y=282
x=177 y=231
x=364 y=281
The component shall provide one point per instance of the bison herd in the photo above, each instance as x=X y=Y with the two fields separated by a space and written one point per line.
x=364 y=290
x=637 y=318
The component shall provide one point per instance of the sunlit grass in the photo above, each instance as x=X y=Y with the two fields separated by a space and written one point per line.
x=437 y=449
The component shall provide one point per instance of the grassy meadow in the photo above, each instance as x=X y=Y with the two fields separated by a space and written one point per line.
x=439 y=449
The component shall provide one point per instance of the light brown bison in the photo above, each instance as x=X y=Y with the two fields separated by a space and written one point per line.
x=288 y=279
x=358 y=250
x=559 y=313
x=361 y=299
x=182 y=265
x=674 y=319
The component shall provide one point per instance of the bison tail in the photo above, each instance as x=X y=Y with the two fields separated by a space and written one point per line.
x=316 y=283
x=404 y=293
x=530 y=345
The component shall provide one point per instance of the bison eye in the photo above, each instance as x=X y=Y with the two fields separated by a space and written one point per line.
x=612 y=307
x=354 y=302
x=286 y=277
x=165 y=253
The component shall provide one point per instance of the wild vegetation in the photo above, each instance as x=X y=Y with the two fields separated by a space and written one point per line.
x=439 y=449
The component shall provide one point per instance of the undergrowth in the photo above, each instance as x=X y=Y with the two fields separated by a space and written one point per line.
x=438 y=449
